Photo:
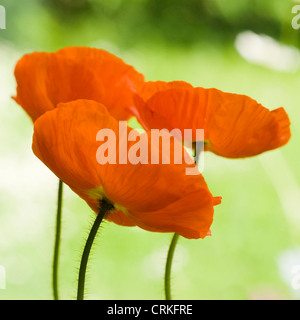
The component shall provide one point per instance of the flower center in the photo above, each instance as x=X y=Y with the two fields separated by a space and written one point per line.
x=98 y=194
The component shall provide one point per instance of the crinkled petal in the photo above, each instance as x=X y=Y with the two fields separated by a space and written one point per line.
x=67 y=140
x=235 y=126
x=46 y=79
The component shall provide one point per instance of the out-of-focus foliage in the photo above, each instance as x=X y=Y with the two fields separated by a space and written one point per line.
x=255 y=230
x=128 y=22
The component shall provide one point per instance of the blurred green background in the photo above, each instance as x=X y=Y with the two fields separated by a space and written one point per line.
x=246 y=47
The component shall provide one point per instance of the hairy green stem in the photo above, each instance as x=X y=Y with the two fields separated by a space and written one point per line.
x=196 y=155
x=169 y=266
x=57 y=241
x=105 y=206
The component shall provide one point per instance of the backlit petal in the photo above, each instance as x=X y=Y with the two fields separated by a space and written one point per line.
x=191 y=216
x=65 y=140
x=46 y=79
x=235 y=126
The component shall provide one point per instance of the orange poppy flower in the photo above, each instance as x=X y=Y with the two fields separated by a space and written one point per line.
x=235 y=126
x=156 y=197
x=46 y=79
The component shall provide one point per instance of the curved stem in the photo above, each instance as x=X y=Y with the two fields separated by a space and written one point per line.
x=57 y=241
x=169 y=266
x=104 y=208
x=196 y=154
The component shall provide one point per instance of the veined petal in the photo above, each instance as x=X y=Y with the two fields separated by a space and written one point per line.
x=118 y=80
x=149 y=88
x=32 y=93
x=238 y=126
x=46 y=79
x=62 y=140
x=235 y=126
x=191 y=216
x=67 y=140
x=118 y=217
x=143 y=111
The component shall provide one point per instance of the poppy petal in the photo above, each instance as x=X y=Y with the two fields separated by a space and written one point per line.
x=46 y=79
x=32 y=93
x=149 y=88
x=118 y=79
x=120 y=218
x=235 y=126
x=142 y=111
x=65 y=140
x=58 y=141
x=190 y=217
